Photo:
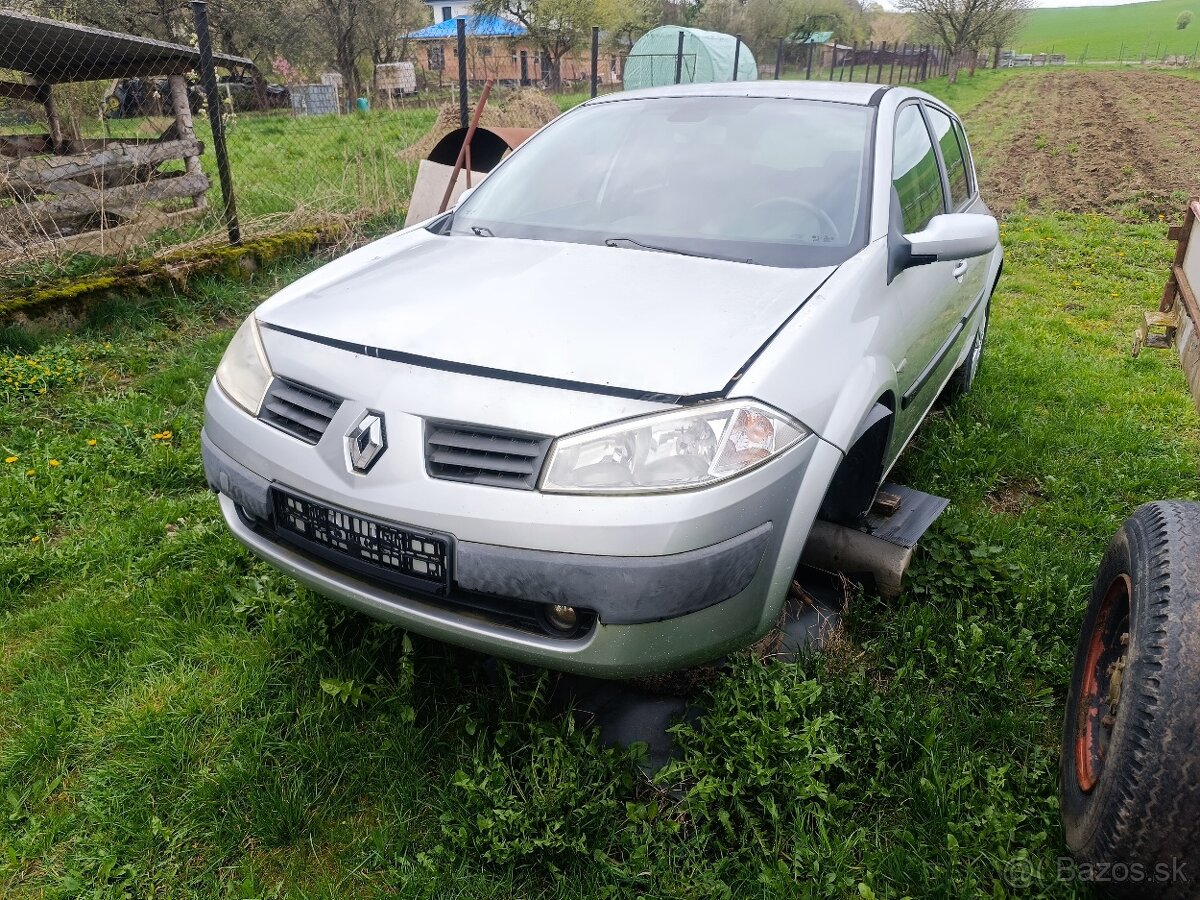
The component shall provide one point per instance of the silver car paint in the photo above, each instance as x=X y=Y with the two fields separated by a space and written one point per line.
x=675 y=325
x=831 y=361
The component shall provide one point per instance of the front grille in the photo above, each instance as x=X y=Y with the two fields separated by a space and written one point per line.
x=396 y=554
x=483 y=455
x=300 y=411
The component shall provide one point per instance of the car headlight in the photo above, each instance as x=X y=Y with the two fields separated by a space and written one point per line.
x=245 y=373
x=678 y=450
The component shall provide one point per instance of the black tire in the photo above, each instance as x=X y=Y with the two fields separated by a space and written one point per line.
x=963 y=378
x=1129 y=777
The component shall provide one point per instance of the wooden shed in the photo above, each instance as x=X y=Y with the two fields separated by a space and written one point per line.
x=98 y=194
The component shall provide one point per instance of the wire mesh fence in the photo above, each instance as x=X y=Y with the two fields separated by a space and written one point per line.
x=112 y=143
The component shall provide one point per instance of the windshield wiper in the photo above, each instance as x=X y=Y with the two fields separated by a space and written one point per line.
x=480 y=231
x=638 y=245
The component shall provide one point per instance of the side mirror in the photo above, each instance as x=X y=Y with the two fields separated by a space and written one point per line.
x=953 y=236
x=949 y=236
x=465 y=194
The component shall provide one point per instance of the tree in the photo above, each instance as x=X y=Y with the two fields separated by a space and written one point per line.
x=1184 y=20
x=762 y=22
x=556 y=26
x=967 y=25
x=894 y=28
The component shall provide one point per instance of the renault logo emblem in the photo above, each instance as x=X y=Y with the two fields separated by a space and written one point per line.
x=366 y=442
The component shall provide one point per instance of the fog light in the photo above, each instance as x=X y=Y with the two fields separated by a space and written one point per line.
x=563 y=618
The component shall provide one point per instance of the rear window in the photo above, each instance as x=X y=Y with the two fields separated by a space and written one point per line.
x=952 y=155
x=770 y=181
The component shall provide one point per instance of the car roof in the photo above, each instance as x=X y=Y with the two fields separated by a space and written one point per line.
x=835 y=91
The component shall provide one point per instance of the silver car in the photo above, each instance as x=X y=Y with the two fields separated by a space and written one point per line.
x=587 y=418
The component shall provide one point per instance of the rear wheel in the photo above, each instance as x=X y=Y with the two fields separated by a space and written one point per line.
x=963 y=379
x=1130 y=760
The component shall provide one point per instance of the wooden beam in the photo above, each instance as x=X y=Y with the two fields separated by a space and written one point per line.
x=23 y=92
x=57 y=138
x=184 y=127
x=40 y=173
x=103 y=241
x=42 y=215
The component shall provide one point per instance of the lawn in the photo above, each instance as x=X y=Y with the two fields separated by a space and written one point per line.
x=177 y=719
x=1105 y=33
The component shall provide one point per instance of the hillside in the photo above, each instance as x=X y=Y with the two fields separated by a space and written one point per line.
x=1106 y=31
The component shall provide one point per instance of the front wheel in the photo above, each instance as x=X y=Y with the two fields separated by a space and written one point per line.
x=1129 y=777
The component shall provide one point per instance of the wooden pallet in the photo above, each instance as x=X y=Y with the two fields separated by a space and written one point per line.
x=1174 y=323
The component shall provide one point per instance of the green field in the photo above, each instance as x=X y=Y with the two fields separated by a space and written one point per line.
x=179 y=720
x=1102 y=33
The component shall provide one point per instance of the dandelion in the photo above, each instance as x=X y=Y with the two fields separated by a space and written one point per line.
x=31 y=472
x=54 y=463
x=91 y=442
x=34 y=539
x=11 y=459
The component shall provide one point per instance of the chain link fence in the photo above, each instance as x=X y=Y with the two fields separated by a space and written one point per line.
x=114 y=144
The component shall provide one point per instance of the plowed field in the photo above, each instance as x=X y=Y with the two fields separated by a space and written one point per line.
x=1125 y=143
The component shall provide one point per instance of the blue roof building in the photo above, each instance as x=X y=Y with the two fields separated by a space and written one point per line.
x=477 y=26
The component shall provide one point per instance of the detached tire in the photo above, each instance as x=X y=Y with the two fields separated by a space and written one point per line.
x=1129 y=779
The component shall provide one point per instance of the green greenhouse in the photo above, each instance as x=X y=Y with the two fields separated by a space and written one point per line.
x=707 y=56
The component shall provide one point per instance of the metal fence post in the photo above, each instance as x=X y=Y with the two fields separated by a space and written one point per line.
x=737 y=52
x=892 y=70
x=462 y=69
x=208 y=77
x=679 y=60
x=808 y=61
x=595 y=58
x=879 y=61
x=853 y=60
x=779 y=59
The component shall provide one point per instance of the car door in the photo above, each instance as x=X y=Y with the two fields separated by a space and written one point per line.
x=927 y=294
x=971 y=274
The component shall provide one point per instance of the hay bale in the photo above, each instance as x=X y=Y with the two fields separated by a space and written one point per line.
x=519 y=109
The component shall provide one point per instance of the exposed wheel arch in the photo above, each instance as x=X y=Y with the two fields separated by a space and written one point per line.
x=856 y=481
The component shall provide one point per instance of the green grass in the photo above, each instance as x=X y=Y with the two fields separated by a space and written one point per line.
x=177 y=719
x=164 y=727
x=1103 y=33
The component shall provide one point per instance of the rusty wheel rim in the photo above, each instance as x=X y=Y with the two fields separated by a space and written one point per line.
x=1102 y=682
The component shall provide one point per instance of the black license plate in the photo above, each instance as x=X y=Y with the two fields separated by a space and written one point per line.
x=397 y=554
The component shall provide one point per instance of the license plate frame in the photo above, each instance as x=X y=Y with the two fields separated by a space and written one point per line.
x=397 y=554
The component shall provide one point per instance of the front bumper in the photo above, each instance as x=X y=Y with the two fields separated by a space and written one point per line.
x=696 y=576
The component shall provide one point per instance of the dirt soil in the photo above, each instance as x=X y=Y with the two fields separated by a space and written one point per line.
x=1122 y=143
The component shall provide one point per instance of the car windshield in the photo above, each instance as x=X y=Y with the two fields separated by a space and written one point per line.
x=775 y=182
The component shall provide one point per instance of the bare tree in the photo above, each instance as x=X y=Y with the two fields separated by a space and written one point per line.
x=894 y=28
x=967 y=25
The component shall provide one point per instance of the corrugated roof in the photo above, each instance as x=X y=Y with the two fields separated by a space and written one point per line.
x=477 y=26
x=817 y=37
x=53 y=51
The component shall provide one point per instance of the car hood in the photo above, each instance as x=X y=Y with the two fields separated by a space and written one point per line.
x=576 y=315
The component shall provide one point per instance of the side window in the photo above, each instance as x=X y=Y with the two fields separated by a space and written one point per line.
x=952 y=155
x=915 y=175
x=966 y=151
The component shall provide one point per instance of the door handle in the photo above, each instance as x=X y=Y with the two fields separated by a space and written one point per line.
x=960 y=269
